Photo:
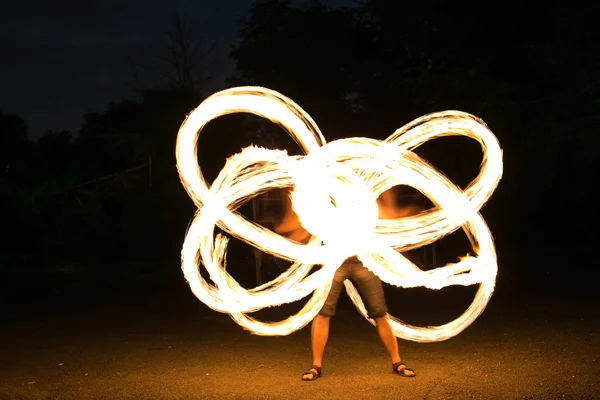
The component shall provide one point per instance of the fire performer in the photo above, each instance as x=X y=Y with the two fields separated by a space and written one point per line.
x=369 y=286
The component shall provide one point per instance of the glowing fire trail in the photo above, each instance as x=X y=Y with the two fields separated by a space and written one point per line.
x=353 y=172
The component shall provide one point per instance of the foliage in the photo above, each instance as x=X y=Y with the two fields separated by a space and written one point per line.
x=531 y=75
x=365 y=70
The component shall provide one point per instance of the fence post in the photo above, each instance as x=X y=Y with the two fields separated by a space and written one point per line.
x=150 y=171
x=257 y=253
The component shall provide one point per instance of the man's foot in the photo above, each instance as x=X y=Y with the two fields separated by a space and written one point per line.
x=401 y=369
x=312 y=374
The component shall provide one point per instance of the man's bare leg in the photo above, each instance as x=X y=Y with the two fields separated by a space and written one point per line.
x=319 y=333
x=384 y=329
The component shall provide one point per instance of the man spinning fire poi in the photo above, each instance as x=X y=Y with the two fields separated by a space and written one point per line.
x=369 y=286
x=355 y=173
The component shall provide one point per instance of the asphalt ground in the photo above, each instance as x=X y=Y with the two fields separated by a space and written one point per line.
x=162 y=343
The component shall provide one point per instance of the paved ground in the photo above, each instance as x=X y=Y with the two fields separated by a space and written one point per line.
x=150 y=344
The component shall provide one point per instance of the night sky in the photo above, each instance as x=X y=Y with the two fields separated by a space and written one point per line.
x=69 y=57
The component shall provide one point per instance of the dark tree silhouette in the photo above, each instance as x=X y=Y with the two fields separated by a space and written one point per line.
x=359 y=71
x=13 y=142
x=309 y=65
x=527 y=71
x=184 y=57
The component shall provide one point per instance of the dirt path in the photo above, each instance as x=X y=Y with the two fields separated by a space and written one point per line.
x=169 y=346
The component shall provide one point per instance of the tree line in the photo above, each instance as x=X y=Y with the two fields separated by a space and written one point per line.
x=110 y=193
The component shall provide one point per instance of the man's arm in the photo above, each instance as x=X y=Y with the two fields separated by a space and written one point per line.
x=388 y=209
x=290 y=225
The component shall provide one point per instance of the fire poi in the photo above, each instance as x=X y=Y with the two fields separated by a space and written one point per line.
x=353 y=172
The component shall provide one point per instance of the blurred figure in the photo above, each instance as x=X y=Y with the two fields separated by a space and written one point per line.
x=368 y=284
x=390 y=209
x=290 y=226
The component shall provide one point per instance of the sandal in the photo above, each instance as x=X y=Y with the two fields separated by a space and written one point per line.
x=402 y=371
x=313 y=375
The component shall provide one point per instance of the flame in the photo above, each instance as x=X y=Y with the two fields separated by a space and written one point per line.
x=335 y=185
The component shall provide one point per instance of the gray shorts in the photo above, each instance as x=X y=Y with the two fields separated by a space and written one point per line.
x=368 y=284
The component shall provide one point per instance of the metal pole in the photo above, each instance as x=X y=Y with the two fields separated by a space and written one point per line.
x=150 y=171
x=257 y=253
x=426 y=251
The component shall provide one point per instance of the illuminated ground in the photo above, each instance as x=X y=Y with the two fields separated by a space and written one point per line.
x=166 y=345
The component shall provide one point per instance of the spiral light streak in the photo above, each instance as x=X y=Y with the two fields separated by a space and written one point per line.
x=353 y=172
